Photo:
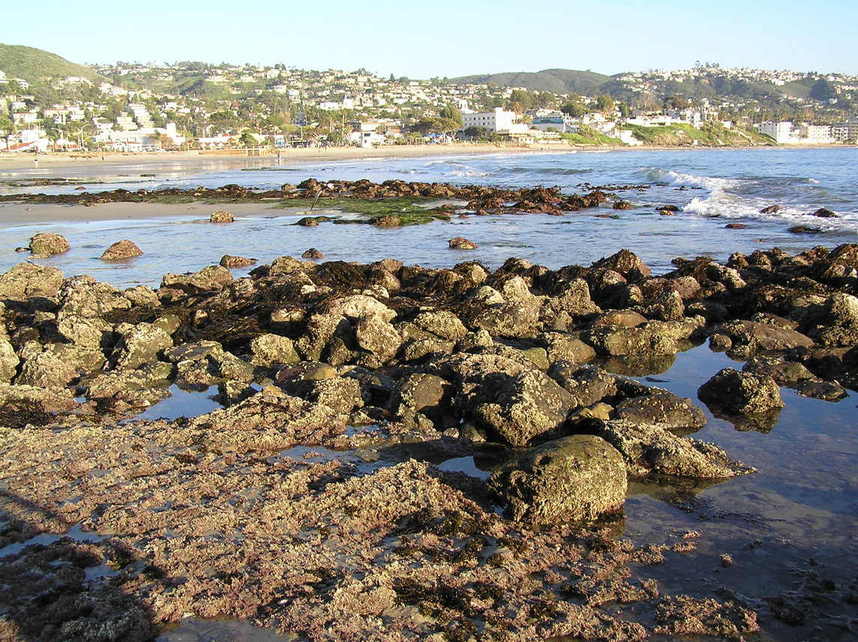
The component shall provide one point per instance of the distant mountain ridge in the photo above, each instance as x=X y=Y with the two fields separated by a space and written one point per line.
x=35 y=65
x=561 y=81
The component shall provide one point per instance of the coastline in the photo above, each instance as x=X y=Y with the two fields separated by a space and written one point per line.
x=21 y=161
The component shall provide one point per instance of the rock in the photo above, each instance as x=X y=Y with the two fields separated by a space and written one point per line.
x=90 y=332
x=306 y=371
x=27 y=280
x=377 y=336
x=826 y=390
x=142 y=296
x=653 y=449
x=387 y=221
x=623 y=205
x=48 y=244
x=22 y=405
x=771 y=209
x=270 y=350
x=626 y=263
x=586 y=385
x=358 y=306
x=442 y=324
x=804 y=229
x=270 y=421
x=736 y=226
x=519 y=408
x=46 y=370
x=140 y=344
x=621 y=318
x=576 y=478
x=461 y=243
x=121 y=250
x=139 y=388
x=754 y=336
x=654 y=337
x=741 y=393
x=424 y=393
x=340 y=394
x=562 y=347
x=824 y=212
x=221 y=216
x=8 y=361
x=83 y=296
x=312 y=253
x=785 y=373
x=233 y=262
x=206 y=363
x=660 y=407
x=211 y=278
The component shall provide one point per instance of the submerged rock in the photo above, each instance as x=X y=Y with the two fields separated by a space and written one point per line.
x=461 y=243
x=572 y=479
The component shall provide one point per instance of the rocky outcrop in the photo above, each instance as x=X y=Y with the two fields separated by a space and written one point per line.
x=571 y=479
x=235 y=262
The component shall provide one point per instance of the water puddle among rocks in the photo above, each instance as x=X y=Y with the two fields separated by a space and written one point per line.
x=183 y=403
x=196 y=630
x=75 y=533
x=465 y=465
x=791 y=525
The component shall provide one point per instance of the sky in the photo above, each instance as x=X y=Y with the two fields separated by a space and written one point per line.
x=448 y=37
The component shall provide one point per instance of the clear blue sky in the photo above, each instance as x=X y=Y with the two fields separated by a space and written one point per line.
x=447 y=37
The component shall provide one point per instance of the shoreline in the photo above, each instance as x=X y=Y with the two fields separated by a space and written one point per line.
x=24 y=161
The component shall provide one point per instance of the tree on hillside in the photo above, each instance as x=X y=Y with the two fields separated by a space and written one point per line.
x=605 y=103
x=451 y=112
x=574 y=108
x=520 y=100
x=823 y=91
x=247 y=139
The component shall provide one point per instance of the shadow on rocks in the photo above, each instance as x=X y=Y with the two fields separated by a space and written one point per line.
x=66 y=586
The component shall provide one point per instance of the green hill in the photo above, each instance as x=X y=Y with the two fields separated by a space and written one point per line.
x=561 y=81
x=36 y=65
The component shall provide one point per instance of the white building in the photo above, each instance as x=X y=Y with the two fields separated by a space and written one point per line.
x=498 y=121
x=845 y=132
x=815 y=133
x=781 y=132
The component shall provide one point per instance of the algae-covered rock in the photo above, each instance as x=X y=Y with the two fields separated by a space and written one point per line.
x=139 y=345
x=653 y=449
x=48 y=244
x=121 y=250
x=27 y=280
x=272 y=349
x=741 y=392
x=571 y=479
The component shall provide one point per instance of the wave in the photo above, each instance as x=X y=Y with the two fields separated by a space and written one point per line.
x=672 y=177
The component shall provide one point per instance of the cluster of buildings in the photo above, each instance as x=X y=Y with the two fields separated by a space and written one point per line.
x=788 y=133
x=213 y=107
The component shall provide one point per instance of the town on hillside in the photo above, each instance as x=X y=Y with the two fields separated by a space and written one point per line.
x=131 y=107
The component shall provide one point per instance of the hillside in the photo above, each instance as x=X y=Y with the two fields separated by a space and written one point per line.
x=35 y=65
x=561 y=81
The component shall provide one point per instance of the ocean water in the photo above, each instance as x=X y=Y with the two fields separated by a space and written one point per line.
x=711 y=188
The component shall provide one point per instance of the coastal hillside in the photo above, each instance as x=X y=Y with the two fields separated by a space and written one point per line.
x=36 y=65
x=561 y=81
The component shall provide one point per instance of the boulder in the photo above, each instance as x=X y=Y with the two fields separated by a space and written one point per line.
x=358 y=306
x=424 y=393
x=22 y=405
x=27 y=280
x=625 y=263
x=651 y=449
x=121 y=250
x=46 y=370
x=139 y=345
x=83 y=296
x=663 y=408
x=221 y=216
x=48 y=244
x=88 y=332
x=138 y=388
x=762 y=336
x=8 y=361
x=573 y=479
x=735 y=392
x=234 y=262
x=461 y=243
x=377 y=336
x=270 y=350
x=211 y=278
x=312 y=253
x=654 y=337
x=586 y=385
